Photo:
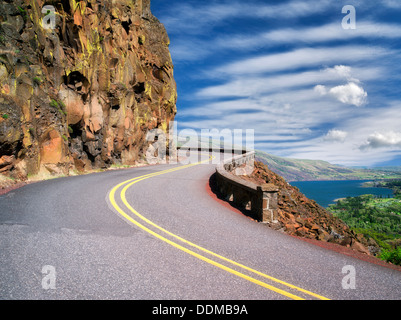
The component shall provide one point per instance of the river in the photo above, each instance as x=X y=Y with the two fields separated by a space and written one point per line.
x=326 y=192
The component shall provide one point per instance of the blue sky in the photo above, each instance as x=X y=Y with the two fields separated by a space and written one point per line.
x=289 y=70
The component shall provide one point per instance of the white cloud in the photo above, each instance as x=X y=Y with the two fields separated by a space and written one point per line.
x=336 y=135
x=320 y=89
x=301 y=58
x=383 y=140
x=350 y=93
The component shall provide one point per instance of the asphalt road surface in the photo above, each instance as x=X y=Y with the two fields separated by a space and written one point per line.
x=156 y=233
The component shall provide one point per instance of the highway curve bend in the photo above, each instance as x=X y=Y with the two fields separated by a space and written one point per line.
x=155 y=233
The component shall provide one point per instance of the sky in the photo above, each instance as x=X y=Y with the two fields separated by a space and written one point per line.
x=312 y=81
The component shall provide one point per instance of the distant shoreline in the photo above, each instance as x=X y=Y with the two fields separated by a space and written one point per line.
x=329 y=192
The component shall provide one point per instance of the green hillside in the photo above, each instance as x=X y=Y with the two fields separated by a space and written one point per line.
x=307 y=170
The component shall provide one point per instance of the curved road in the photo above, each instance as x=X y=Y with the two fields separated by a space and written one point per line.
x=155 y=233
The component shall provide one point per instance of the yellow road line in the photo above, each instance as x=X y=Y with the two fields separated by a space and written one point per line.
x=129 y=218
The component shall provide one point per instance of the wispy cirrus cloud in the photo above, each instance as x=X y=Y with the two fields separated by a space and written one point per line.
x=194 y=17
x=311 y=35
x=301 y=58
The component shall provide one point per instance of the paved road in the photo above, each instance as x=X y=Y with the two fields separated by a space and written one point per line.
x=188 y=247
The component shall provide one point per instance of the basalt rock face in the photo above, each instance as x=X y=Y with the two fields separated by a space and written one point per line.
x=84 y=94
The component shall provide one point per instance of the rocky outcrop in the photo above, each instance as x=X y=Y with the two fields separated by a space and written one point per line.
x=302 y=217
x=84 y=94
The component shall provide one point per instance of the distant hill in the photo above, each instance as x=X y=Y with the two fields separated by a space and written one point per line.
x=304 y=170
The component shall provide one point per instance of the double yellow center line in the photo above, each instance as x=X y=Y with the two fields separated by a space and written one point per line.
x=129 y=183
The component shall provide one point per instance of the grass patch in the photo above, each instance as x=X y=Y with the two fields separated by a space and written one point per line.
x=23 y=13
x=59 y=105
x=54 y=103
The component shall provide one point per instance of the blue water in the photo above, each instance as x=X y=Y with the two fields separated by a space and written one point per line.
x=326 y=192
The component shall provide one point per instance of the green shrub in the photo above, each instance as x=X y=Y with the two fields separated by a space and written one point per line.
x=393 y=256
x=5 y=116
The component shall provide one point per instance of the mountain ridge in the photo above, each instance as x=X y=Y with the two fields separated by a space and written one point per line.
x=311 y=170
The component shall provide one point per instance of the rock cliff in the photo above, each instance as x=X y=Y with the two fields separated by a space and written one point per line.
x=84 y=93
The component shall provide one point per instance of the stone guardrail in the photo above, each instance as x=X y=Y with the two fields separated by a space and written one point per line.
x=260 y=200
x=213 y=149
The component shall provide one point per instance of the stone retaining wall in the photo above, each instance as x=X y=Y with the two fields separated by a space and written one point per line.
x=261 y=201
